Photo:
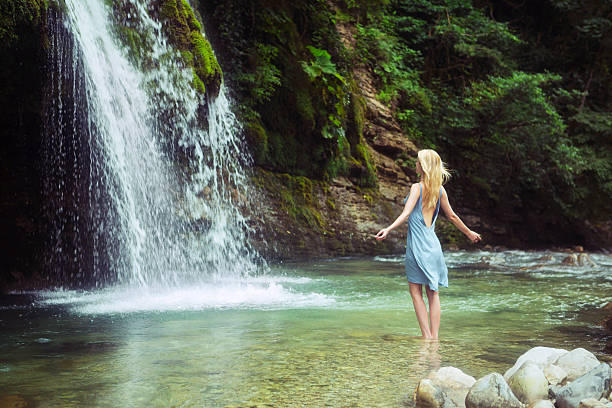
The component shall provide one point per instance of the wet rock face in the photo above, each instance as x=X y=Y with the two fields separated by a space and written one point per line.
x=594 y=384
x=491 y=391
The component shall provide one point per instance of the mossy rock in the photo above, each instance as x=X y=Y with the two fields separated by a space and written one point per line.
x=184 y=32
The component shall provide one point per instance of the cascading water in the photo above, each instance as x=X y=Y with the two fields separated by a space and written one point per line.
x=136 y=196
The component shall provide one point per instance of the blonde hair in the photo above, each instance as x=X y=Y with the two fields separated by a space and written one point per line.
x=434 y=175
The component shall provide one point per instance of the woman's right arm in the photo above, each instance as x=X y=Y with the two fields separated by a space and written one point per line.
x=454 y=218
x=410 y=203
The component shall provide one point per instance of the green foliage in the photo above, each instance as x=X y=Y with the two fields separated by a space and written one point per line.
x=17 y=13
x=264 y=75
x=321 y=67
x=285 y=62
x=504 y=90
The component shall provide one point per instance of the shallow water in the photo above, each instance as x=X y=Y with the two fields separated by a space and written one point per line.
x=333 y=333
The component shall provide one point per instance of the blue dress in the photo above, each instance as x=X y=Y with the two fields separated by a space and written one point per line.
x=424 y=259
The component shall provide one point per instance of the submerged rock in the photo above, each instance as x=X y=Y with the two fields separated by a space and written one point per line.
x=594 y=384
x=529 y=383
x=491 y=391
x=541 y=356
x=577 y=363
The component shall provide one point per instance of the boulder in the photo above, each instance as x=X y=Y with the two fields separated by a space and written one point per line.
x=454 y=383
x=529 y=383
x=542 y=356
x=554 y=374
x=427 y=395
x=491 y=391
x=594 y=384
x=541 y=404
x=577 y=363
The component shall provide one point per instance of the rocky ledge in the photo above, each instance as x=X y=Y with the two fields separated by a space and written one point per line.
x=543 y=377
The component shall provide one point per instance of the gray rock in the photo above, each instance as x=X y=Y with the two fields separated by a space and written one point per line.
x=541 y=404
x=491 y=391
x=577 y=363
x=454 y=383
x=528 y=383
x=554 y=374
x=594 y=384
x=542 y=356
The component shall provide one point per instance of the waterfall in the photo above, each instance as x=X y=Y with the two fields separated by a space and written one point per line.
x=140 y=190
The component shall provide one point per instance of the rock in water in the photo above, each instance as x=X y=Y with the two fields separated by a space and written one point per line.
x=529 y=383
x=491 y=391
x=594 y=384
x=427 y=395
x=577 y=363
x=454 y=384
x=542 y=356
x=554 y=374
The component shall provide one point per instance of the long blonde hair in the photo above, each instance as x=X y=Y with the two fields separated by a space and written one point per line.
x=434 y=175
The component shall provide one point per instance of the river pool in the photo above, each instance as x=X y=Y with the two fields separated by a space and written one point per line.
x=338 y=333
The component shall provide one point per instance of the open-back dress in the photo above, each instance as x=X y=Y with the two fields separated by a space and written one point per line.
x=424 y=259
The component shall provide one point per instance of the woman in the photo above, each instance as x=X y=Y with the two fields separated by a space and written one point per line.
x=424 y=259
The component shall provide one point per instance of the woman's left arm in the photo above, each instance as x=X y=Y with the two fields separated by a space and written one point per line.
x=410 y=203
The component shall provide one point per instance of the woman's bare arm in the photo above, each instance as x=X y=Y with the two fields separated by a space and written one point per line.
x=454 y=218
x=410 y=203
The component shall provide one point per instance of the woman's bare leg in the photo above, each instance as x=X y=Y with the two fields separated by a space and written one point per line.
x=416 y=292
x=434 y=312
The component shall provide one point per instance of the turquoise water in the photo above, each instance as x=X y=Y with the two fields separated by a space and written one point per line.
x=333 y=333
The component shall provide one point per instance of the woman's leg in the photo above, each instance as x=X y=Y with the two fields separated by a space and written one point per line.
x=433 y=299
x=416 y=292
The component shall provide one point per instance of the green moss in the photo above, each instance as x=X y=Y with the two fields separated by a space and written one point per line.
x=205 y=63
x=297 y=197
x=184 y=32
x=198 y=84
x=190 y=17
x=15 y=14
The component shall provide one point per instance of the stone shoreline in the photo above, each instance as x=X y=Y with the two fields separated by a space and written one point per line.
x=543 y=377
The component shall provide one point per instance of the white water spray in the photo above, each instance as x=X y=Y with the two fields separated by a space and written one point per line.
x=153 y=199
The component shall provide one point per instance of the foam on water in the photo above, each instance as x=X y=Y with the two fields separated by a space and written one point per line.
x=253 y=293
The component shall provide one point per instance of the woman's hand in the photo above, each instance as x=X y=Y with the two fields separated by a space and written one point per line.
x=382 y=234
x=474 y=236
